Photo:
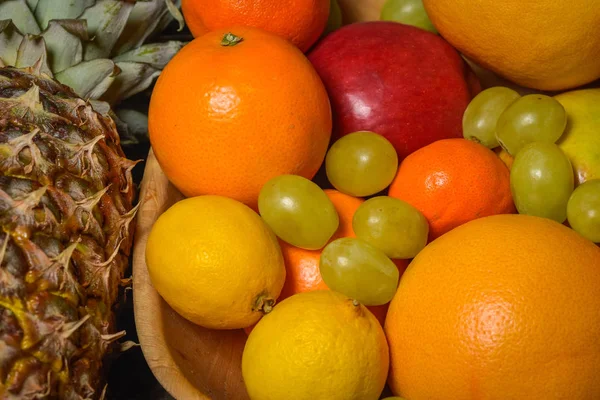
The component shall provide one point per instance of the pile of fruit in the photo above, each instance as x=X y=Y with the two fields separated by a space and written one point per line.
x=376 y=218
x=404 y=207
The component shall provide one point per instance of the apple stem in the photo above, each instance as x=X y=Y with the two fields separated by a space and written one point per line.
x=229 y=39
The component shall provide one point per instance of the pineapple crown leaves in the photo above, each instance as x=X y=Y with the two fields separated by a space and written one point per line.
x=94 y=46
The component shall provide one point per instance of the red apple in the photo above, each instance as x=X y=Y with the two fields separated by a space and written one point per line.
x=402 y=82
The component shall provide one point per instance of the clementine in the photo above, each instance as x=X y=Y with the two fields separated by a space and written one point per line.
x=502 y=307
x=506 y=158
x=231 y=111
x=453 y=181
x=300 y=21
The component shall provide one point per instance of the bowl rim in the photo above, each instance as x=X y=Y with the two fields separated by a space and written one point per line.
x=156 y=195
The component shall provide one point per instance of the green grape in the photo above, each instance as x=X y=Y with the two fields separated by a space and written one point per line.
x=583 y=210
x=361 y=164
x=298 y=211
x=408 y=12
x=541 y=181
x=392 y=225
x=482 y=113
x=532 y=118
x=335 y=17
x=360 y=271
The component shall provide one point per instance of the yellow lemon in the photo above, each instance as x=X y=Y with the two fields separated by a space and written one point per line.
x=581 y=139
x=316 y=345
x=215 y=262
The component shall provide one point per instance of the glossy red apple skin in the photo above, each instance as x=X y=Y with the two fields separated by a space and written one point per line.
x=402 y=82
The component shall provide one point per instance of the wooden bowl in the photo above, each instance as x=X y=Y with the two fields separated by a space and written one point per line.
x=189 y=361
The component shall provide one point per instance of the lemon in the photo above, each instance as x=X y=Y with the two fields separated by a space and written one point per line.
x=316 y=345
x=215 y=262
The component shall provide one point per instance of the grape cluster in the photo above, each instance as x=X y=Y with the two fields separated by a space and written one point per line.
x=360 y=164
x=542 y=178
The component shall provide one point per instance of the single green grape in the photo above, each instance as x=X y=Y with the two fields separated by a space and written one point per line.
x=298 y=211
x=482 y=113
x=361 y=164
x=408 y=12
x=531 y=118
x=541 y=181
x=583 y=210
x=392 y=225
x=360 y=271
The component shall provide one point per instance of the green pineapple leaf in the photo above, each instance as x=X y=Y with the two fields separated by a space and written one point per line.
x=173 y=13
x=155 y=54
x=90 y=79
x=106 y=20
x=132 y=125
x=176 y=14
x=31 y=50
x=134 y=78
x=144 y=20
x=21 y=15
x=65 y=48
x=47 y=10
x=10 y=39
x=67 y=35
x=101 y=107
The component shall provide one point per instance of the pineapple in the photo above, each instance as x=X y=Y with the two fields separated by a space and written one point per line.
x=66 y=196
x=94 y=46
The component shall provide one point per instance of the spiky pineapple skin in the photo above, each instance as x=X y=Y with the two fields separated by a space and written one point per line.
x=66 y=196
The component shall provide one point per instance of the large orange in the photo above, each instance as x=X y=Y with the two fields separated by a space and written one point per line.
x=453 y=181
x=503 y=307
x=225 y=118
x=547 y=45
x=300 y=21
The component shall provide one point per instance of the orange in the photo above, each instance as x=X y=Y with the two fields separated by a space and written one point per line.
x=503 y=307
x=302 y=266
x=506 y=158
x=300 y=21
x=226 y=118
x=453 y=181
x=504 y=37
